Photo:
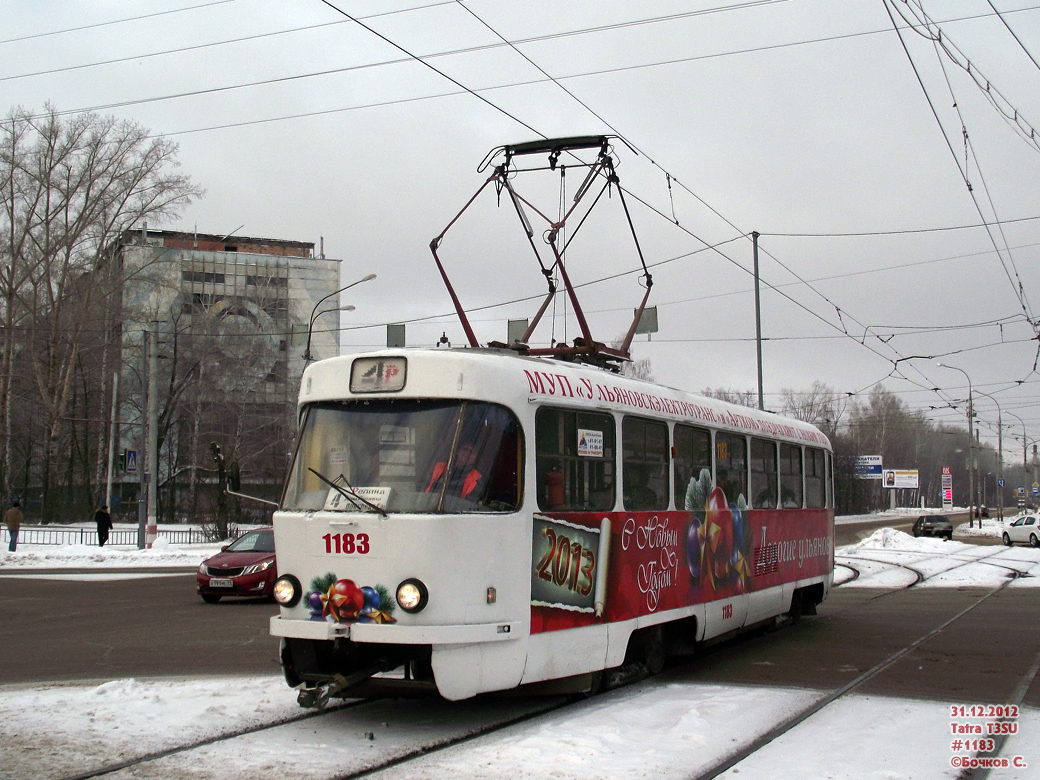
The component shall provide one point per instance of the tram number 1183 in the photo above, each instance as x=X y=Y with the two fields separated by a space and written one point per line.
x=346 y=544
x=567 y=564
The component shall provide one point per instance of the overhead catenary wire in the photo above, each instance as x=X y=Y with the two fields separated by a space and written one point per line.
x=1019 y=290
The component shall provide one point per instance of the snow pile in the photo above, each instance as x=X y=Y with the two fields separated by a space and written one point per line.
x=891 y=539
x=69 y=728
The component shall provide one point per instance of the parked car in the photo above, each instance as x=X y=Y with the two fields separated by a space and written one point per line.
x=246 y=567
x=934 y=525
x=1025 y=530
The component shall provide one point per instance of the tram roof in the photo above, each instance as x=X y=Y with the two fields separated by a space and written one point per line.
x=506 y=377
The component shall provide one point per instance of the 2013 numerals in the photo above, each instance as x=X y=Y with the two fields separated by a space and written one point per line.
x=346 y=544
x=567 y=564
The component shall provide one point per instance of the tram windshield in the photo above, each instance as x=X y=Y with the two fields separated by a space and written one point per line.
x=407 y=456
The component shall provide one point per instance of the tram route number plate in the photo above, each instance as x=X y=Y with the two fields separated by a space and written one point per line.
x=214 y=583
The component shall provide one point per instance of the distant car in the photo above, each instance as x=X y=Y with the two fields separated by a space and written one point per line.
x=934 y=525
x=1025 y=530
x=246 y=567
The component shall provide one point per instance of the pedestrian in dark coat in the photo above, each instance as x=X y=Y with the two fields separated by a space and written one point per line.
x=13 y=518
x=104 y=525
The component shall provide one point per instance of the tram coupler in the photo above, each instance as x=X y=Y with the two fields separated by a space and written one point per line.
x=318 y=696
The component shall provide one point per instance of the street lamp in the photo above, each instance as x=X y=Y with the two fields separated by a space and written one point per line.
x=314 y=312
x=971 y=448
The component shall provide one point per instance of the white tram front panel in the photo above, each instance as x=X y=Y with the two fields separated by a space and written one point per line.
x=503 y=483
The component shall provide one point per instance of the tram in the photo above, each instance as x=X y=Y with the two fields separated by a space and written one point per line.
x=484 y=518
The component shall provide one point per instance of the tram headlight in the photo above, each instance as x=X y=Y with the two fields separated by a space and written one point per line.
x=412 y=595
x=288 y=591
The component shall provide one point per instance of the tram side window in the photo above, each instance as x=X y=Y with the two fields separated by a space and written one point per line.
x=763 y=474
x=731 y=467
x=790 y=476
x=815 y=478
x=575 y=460
x=644 y=463
x=830 y=480
x=692 y=459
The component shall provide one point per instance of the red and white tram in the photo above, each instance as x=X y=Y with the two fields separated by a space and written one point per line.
x=481 y=520
x=484 y=518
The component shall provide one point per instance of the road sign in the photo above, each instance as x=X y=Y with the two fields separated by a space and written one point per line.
x=1020 y=491
x=131 y=461
x=867 y=467
x=1036 y=488
x=1000 y=482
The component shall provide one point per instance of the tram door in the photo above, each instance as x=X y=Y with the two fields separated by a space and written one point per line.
x=731 y=487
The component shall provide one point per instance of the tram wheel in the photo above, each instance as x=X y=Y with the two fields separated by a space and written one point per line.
x=653 y=650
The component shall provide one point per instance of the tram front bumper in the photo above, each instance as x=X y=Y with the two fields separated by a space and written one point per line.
x=474 y=633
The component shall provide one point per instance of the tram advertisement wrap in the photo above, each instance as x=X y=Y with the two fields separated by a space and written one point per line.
x=656 y=561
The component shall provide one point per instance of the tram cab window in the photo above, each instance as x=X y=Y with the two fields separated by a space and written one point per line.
x=692 y=467
x=644 y=464
x=731 y=467
x=790 y=476
x=815 y=478
x=574 y=460
x=407 y=455
x=763 y=474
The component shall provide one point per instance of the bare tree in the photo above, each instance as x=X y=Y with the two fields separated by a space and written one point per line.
x=742 y=397
x=71 y=184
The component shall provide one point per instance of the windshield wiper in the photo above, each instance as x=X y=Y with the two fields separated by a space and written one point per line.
x=349 y=496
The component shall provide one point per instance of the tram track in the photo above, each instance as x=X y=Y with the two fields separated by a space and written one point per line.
x=148 y=758
x=796 y=719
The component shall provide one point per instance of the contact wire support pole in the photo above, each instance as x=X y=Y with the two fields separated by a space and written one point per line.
x=758 y=319
x=112 y=439
x=152 y=529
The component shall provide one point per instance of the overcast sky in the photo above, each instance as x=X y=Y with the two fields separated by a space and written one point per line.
x=777 y=116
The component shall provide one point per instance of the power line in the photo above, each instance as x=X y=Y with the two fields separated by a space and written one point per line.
x=1017 y=40
x=214 y=44
x=34 y=36
x=908 y=231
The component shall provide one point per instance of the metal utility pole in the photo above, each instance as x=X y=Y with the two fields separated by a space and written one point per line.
x=112 y=439
x=142 y=487
x=152 y=529
x=758 y=319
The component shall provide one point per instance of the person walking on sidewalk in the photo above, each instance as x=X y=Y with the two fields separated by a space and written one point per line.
x=104 y=524
x=13 y=519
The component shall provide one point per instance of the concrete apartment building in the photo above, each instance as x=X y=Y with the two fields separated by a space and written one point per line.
x=231 y=315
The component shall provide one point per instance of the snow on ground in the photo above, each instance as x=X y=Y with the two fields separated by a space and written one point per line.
x=889 y=558
x=84 y=556
x=654 y=729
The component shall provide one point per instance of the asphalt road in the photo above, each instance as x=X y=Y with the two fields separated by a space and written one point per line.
x=89 y=630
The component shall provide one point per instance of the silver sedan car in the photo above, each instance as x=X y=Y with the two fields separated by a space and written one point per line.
x=1025 y=530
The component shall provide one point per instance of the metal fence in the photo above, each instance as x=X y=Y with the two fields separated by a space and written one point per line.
x=38 y=535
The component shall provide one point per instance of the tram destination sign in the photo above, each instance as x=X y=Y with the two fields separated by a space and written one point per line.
x=867 y=467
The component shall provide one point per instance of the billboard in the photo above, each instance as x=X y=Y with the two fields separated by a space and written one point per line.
x=900 y=478
x=867 y=467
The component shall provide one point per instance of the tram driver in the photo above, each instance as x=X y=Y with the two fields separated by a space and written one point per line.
x=464 y=479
